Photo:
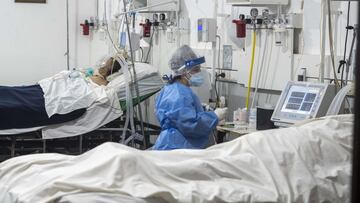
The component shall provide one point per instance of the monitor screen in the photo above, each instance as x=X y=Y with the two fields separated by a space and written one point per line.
x=300 y=99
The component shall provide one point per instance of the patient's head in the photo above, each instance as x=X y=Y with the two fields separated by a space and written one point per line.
x=111 y=66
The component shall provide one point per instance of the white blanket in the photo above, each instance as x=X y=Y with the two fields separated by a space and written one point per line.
x=64 y=94
x=96 y=115
x=310 y=163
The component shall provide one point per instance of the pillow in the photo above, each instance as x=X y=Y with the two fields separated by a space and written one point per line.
x=142 y=70
x=113 y=76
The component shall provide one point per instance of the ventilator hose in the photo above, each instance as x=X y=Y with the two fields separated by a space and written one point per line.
x=251 y=68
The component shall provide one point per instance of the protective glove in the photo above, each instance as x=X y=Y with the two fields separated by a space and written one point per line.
x=221 y=113
x=207 y=107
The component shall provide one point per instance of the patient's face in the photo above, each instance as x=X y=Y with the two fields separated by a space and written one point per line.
x=106 y=69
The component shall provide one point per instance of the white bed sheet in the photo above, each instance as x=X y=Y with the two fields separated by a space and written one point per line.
x=309 y=163
x=100 y=113
x=96 y=115
x=64 y=94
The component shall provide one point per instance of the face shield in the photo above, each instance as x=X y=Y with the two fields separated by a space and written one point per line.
x=192 y=65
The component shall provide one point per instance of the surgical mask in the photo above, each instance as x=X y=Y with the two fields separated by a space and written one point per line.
x=196 y=80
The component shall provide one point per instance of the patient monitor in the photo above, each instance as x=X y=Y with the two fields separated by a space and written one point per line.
x=302 y=100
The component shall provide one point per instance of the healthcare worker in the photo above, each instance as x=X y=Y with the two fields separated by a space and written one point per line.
x=184 y=123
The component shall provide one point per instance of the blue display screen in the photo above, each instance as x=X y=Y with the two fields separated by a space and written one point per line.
x=200 y=28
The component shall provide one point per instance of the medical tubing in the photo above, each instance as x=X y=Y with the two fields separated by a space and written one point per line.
x=251 y=69
x=151 y=44
x=135 y=79
x=331 y=43
x=128 y=96
x=336 y=104
x=258 y=76
x=214 y=136
x=121 y=60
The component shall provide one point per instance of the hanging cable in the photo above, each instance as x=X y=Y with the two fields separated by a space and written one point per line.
x=348 y=27
x=348 y=64
x=151 y=44
x=331 y=43
x=251 y=68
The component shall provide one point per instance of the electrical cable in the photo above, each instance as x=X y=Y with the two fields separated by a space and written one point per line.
x=331 y=43
x=251 y=68
x=343 y=62
x=348 y=64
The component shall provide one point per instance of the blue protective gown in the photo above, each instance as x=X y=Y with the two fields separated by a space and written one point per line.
x=184 y=123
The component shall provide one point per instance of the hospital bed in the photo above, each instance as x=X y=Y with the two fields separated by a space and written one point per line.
x=108 y=107
x=306 y=163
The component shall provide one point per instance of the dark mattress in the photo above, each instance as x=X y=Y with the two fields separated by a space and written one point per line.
x=24 y=107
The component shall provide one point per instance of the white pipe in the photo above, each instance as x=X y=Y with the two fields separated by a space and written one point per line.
x=292 y=71
x=77 y=18
x=97 y=8
x=177 y=31
x=67 y=36
x=214 y=46
x=260 y=67
x=144 y=8
x=322 y=40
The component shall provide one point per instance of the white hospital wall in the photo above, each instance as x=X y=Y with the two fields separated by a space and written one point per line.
x=32 y=40
x=34 y=35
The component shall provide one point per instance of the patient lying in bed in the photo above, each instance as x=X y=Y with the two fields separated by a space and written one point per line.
x=100 y=77
x=28 y=106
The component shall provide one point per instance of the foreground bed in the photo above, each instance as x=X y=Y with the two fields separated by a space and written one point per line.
x=309 y=163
